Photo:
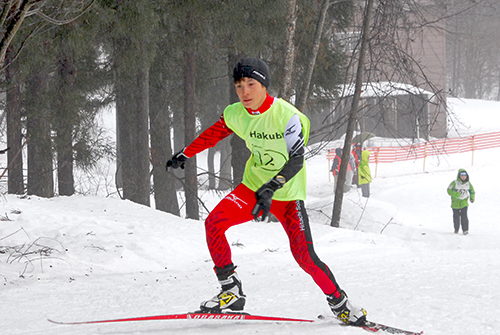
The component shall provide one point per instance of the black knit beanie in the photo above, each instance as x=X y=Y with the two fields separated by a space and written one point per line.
x=250 y=67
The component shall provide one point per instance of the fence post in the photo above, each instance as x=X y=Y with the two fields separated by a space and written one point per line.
x=425 y=154
x=472 y=150
x=329 y=164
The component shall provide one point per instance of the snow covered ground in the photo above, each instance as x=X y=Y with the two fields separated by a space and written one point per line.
x=90 y=258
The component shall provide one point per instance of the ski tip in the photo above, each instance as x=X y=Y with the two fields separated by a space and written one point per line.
x=67 y=323
x=56 y=322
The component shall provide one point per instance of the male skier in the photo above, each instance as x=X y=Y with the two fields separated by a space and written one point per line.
x=274 y=181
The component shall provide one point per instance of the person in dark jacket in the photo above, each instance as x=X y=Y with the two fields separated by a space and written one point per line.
x=461 y=190
x=337 y=160
x=351 y=167
x=356 y=152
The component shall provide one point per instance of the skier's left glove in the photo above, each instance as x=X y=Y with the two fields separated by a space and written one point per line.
x=177 y=161
x=264 y=197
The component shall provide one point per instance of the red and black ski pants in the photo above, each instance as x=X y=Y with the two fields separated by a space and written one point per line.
x=236 y=208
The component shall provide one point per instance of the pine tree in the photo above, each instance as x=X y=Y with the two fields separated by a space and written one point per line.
x=132 y=51
x=13 y=108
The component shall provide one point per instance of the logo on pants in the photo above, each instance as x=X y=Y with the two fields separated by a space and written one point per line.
x=236 y=200
x=300 y=215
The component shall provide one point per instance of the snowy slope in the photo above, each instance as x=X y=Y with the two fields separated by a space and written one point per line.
x=399 y=259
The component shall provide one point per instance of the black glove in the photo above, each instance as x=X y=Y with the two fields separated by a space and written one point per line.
x=177 y=161
x=264 y=197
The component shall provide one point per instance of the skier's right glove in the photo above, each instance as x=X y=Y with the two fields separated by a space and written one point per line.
x=177 y=161
x=264 y=197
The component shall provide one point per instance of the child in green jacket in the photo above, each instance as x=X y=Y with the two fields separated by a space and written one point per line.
x=460 y=191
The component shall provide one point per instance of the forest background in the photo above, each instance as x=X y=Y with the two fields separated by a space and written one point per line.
x=165 y=68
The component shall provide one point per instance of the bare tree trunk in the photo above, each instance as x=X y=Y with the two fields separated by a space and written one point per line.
x=339 y=194
x=141 y=153
x=211 y=168
x=178 y=139
x=212 y=178
x=13 y=109
x=301 y=104
x=40 y=172
x=63 y=124
x=132 y=113
x=191 y=181
x=165 y=193
x=289 y=59
x=239 y=156
x=239 y=151
x=225 y=166
x=498 y=87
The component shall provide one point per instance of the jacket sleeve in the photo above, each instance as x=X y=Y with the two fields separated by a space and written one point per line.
x=294 y=138
x=335 y=164
x=364 y=172
x=451 y=190
x=352 y=161
x=472 y=193
x=209 y=138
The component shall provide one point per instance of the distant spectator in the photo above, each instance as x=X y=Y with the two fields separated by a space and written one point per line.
x=365 y=176
x=356 y=152
x=336 y=168
x=337 y=160
x=460 y=191
x=351 y=168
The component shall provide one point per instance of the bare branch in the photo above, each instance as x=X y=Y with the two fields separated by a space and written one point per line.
x=13 y=27
x=46 y=17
